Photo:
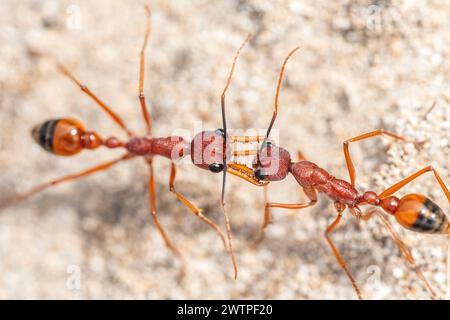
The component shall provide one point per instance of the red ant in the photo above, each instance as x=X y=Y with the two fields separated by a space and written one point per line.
x=68 y=137
x=412 y=211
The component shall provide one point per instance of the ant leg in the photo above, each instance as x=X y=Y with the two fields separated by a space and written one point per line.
x=266 y=219
x=335 y=250
x=391 y=190
x=74 y=176
x=246 y=139
x=167 y=241
x=401 y=245
x=198 y=212
x=144 y=109
x=367 y=215
x=300 y=156
x=380 y=132
x=102 y=105
x=309 y=192
x=403 y=248
x=406 y=253
x=245 y=153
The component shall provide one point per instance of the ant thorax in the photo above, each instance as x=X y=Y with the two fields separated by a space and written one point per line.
x=172 y=147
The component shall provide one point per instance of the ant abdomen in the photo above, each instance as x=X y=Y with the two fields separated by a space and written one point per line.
x=418 y=213
x=65 y=137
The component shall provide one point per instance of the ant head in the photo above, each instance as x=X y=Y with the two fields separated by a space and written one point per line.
x=207 y=150
x=65 y=137
x=273 y=163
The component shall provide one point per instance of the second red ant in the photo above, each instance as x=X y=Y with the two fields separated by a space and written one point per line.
x=414 y=212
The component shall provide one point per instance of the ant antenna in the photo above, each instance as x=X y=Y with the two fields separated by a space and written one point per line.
x=224 y=124
x=144 y=109
x=275 y=112
x=428 y=111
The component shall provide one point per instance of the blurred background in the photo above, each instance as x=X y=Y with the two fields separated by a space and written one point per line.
x=363 y=65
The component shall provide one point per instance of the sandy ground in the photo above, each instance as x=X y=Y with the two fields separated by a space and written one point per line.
x=362 y=66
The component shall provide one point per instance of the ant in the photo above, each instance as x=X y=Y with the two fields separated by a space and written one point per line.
x=67 y=137
x=414 y=212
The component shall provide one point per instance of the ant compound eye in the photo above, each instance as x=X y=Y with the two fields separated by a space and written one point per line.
x=220 y=132
x=267 y=145
x=216 y=167
x=259 y=175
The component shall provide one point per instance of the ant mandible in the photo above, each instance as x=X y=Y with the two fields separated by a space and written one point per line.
x=414 y=212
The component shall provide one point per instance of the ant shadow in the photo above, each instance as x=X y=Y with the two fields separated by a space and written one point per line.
x=312 y=248
x=125 y=207
x=101 y=211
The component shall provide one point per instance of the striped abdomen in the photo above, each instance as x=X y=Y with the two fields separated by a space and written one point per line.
x=43 y=134
x=418 y=213
x=65 y=137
